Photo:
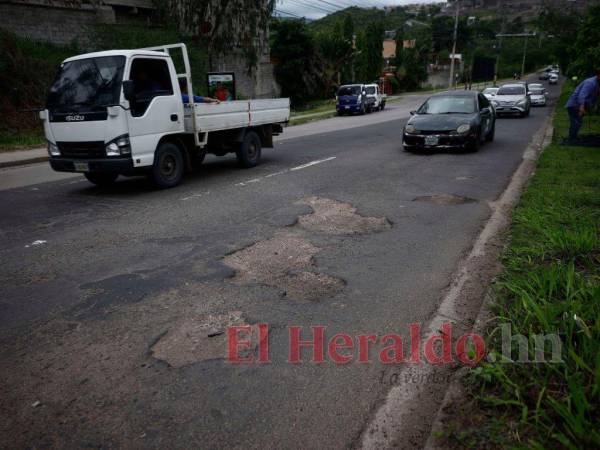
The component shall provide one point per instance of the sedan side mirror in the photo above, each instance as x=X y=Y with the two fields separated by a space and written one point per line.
x=486 y=110
x=412 y=113
x=128 y=90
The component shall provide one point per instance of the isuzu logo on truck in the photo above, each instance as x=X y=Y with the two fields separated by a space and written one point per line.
x=75 y=118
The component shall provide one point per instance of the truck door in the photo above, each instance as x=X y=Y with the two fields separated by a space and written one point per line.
x=157 y=109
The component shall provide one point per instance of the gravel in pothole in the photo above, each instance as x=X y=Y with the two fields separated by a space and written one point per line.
x=333 y=217
x=201 y=338
x=284 y=262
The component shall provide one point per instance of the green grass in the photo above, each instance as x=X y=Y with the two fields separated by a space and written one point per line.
x=25 y=141
x=551 y=284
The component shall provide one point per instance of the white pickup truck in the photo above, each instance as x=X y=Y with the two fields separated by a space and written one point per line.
x=376 y=98
x=121 y=112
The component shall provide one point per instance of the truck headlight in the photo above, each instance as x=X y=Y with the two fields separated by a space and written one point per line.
x=53 y=149
x=410 y=129
x=119 y=146
x=463 y=129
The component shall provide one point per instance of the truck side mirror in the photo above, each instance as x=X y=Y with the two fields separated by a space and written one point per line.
x=128 y=90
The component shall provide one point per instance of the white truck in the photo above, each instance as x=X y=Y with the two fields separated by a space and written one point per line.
x=121 y=112
x=376 y=98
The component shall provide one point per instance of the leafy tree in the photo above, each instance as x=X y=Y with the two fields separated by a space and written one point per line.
x=587 y=45
x=298 y=67
x=370 y=53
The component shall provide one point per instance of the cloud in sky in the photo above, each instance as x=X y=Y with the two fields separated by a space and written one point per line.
x=315 y=9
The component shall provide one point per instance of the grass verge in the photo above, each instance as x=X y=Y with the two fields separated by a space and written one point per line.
x=550 y=287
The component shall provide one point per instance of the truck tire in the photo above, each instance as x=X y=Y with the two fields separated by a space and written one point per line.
x=382 y=106
x=248 y=154
x=101 y=179
x=168 y=167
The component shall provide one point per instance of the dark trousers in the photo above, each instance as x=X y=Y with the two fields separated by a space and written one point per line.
x=576 y=123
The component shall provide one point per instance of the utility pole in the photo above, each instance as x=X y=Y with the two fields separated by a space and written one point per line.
x=453 y=56
x=523 y=35
x=524 y=56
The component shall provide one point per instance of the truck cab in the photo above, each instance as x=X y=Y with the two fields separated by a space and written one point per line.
x=121 y=112
x=376 y=99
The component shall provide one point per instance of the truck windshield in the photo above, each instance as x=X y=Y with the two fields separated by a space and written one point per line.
x=349 y=90
x=370 y=90
x=87 y=84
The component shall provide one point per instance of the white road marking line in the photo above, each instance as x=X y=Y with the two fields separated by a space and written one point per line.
x=201 y=194
x=36 y=243
x=276 y=173
x=312 y=163
x=254 y=180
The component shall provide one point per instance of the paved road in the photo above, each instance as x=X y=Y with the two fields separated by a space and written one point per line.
x=113 y=302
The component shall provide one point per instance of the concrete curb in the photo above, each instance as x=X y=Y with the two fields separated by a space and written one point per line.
x=455 y=392
x=23 y=162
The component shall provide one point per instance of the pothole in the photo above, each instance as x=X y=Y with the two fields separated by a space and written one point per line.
x=201 y=338
x=282 y=262
x=333 y=217
x=444 y=199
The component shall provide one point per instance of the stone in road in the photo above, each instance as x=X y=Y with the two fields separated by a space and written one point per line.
x=102 y=325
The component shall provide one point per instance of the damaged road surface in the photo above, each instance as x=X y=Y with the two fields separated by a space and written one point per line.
x=115 y=331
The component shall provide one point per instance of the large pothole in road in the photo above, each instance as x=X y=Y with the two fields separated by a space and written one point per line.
x=284 y=262
x=201 y=338
x=444 y=199
x=333 y=217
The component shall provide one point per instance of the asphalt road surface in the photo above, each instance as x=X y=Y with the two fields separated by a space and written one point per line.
x=114 y=303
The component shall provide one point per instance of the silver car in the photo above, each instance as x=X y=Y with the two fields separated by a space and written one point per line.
x=537 y=94
x=512 y=99
x=490 y=92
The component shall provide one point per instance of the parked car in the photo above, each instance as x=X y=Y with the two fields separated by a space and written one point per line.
x=544 y=75
x=537 y=94
x=451 y=120
x=490 y=92
x=352 y=98
x=376 y=98
x=512 y=99
x=553 y=78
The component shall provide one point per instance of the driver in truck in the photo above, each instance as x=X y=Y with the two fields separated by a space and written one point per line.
x=197 y=98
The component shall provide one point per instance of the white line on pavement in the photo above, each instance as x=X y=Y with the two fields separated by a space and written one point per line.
x=312 y=163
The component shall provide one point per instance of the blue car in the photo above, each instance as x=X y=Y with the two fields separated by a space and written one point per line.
x=351 y=99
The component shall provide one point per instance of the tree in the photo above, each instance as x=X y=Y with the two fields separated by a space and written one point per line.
x=298 y=65
x=336 y=51
x=587 y=45
x=224 y=24
x=370 y=53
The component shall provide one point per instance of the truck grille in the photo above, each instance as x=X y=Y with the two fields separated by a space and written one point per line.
x=82 y=150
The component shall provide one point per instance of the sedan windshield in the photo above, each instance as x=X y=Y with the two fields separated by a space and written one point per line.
x=490 y=91
x=87 y=84
x=448 y=105
x=537 y=91
x=511 y=90
x=349 y=90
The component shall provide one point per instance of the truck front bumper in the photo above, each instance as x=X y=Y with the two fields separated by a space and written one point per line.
x=112 y=165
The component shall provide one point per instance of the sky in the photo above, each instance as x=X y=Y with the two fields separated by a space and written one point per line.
x=315 y=9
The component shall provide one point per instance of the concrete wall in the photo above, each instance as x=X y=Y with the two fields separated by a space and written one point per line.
x=59 y=22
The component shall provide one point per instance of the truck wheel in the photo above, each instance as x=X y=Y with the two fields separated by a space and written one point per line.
x=248 y=154
x=167 y=170
x=383 y=106
x=362 y=110
x=101 y=179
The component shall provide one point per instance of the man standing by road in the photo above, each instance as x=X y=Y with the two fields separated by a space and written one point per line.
x=582 y=98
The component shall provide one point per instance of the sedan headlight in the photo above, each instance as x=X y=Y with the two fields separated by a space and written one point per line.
x=463 y=129
x=495 y=103
x=119 y=146
x=53 y=149
x=410 y=129
x=522 y=102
